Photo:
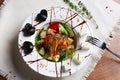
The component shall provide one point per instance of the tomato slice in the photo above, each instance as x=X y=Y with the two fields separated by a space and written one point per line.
x=54 y=25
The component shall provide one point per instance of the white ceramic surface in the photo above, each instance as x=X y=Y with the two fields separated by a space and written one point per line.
x=46 y=67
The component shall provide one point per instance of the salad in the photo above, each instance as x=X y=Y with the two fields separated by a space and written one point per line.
x=56 y=42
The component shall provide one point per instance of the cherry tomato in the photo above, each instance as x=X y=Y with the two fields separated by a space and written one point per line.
x=54 y=25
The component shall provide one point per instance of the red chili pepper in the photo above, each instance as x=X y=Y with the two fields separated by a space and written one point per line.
x=54 y=25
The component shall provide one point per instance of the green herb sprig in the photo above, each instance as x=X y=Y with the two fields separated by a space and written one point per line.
x=81 y=9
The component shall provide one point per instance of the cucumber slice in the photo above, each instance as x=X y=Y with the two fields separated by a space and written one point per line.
x=68 y=29
x=42 y=51
x=40 y=41
x=62 y=30
x=71 y=40
x=56 y=57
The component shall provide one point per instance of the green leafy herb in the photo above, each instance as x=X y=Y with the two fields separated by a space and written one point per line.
x=81 y=9
x=36 y=41
x=68 y=29
x=62 y=56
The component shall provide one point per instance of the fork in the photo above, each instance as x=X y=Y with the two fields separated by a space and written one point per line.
x=100 y=44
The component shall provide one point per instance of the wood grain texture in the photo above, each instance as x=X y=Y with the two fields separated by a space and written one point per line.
x=118 y=1
x=108 y=68
x=1 y=1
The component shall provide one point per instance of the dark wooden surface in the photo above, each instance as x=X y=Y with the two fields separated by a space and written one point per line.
x=1 y=1
x=108 y=68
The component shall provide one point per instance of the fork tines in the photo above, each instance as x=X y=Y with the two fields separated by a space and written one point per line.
x=95 y=42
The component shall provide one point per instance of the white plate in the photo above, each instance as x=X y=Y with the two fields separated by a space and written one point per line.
x=45 y=67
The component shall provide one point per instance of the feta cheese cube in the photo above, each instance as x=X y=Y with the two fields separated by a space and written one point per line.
x=85 y=46
x=78 y=59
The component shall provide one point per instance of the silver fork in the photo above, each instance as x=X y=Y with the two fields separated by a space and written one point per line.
x=100 y=44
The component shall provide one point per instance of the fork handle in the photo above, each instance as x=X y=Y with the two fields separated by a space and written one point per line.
x=117 y=55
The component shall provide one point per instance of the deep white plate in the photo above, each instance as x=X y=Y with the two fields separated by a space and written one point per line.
x=48 y=68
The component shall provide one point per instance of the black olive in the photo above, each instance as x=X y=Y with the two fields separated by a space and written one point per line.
x=42 y=16
x=27 y=47
x=28 y=30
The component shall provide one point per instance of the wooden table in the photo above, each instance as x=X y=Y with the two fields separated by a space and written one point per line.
x=108 y=68
x=1 y=1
